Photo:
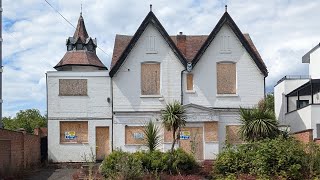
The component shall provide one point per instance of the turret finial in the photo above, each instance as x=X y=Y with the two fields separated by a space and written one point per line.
x=226 y=8
x=150 y=7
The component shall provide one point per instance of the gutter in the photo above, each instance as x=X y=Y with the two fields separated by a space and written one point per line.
x=112 y=113
x=181 y=78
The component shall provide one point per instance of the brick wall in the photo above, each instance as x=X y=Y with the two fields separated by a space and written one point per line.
x=20 y=151
x=304 y=136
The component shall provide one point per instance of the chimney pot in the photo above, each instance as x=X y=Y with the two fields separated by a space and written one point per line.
x=180 y=33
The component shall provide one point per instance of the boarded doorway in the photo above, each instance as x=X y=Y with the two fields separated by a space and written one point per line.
x=191 y=140
x=102 y=142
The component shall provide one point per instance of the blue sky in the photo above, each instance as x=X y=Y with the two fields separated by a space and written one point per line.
x=34 y=35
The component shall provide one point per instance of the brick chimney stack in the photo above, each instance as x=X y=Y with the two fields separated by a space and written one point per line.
x=181 y=42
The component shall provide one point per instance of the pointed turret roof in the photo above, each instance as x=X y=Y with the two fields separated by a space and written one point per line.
x=81 y=31
x=83 y=52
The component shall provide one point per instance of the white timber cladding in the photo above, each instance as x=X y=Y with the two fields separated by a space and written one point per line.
x=249 y=79
x=127 y=81
x=94 y=105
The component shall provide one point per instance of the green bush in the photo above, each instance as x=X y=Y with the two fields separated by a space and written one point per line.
x=182 y=161
x=278 y=157
x=121 y=165
x=164 y=162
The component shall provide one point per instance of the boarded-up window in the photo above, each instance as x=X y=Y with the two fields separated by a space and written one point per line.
x=73 y=87
x=226 y=78
x=150 y=78
x=134 y=135
x=232 y=134
x=189 y=82
x=167 y=136
x=211 y=131
x=73 y=131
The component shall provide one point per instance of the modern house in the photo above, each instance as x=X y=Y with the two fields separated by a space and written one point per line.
x=210 y=75
x=297 y=98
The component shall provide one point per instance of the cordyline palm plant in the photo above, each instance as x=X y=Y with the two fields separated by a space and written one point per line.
x=173 y=118
x=257 y=124
x=152 y=136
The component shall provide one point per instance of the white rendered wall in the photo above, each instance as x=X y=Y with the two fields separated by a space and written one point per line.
x=250 y=80
x=314 y=65
x=93 y=108
x=95 y=105
x=126 y=82
x=299 y=120
x=73 y=152
x=280 y=100
x=315 y=114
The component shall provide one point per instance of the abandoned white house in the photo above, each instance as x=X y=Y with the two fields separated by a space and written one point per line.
x=297 y=98
x=211 y=75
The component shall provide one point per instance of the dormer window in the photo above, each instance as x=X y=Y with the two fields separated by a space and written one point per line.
x=79 y=46
x=90 y=47
x=69 y=47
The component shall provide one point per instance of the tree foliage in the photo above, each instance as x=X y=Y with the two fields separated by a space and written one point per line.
x=173 y=118
x=152 y=136
x=258 y=124
x=267 y=103
x=27 y=119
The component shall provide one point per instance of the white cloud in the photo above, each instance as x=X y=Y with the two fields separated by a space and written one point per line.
x=34 y=36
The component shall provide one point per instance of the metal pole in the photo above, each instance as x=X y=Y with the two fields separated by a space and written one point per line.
x=1 y=64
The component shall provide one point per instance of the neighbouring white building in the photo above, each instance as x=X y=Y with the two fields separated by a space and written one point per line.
x=297 y=98
x=210 y=75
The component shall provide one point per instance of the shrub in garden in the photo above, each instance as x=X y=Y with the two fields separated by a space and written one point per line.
x=278 y=157
x=182 y=161
x=121 y=165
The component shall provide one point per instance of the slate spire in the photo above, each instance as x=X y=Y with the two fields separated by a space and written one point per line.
x=81 y=31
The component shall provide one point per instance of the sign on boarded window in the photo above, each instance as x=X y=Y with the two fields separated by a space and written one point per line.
x=134 y=135
x=73 y=87
x=226 y=78
x=73 y=131
x=150 y=78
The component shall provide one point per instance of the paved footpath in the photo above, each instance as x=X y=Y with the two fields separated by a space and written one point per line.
x=51 y=174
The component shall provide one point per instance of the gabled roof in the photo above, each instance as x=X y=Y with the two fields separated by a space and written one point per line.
x=195 y=45
x=246 y=42
x=150 y=19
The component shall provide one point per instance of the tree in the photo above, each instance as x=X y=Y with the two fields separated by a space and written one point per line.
x=258 y=124
x=153 y=139
x=27 y=119
x=267 y=102
x=173 y=118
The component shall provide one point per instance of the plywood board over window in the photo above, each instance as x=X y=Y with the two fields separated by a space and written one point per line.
x=232 y=132
x=189 y=82
x=211 y=131
x=73 y=131
x=73 y=87
x=134 y=135
x=150 y=78
x=226 y=78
